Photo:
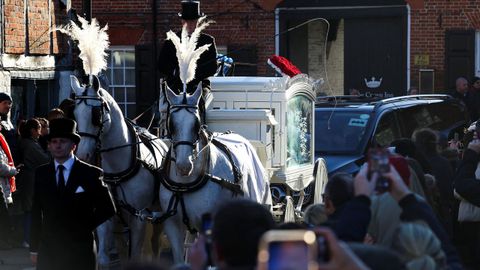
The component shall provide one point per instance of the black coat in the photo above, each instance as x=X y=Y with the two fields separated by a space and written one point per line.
x=466 y=184
x=206 y=65
x=63 y=225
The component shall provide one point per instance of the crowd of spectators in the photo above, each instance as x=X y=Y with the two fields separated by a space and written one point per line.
x=428 y=218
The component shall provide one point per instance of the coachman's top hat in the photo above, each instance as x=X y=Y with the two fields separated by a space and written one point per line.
x=63 y=128
x=190 y=10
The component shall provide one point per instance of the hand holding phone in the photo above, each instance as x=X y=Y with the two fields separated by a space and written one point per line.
x=378 y=165
x=398 y=188
x=341 y=257
x=288 y=249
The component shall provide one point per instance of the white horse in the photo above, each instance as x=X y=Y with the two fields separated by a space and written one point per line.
x=104 y=130
x=203 y=170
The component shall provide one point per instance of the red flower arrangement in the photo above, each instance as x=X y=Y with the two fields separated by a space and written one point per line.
x=283 y=66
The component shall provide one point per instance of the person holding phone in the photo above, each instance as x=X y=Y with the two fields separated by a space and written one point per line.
x=414 y=209
x=467 y=185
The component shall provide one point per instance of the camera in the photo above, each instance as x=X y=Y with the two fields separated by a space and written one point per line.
x=288 y=250
x=378 y=162
x=206 y=230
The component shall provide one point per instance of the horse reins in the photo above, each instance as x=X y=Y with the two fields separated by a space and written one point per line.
x=179 y=189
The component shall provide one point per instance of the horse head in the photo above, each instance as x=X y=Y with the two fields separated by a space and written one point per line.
x=92 y=116
x=184 y=127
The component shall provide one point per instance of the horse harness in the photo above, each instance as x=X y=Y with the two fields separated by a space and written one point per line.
x=99 y=106
x=180 y=189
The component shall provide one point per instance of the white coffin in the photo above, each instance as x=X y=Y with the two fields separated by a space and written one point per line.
x=290 y=101
x=255 y=125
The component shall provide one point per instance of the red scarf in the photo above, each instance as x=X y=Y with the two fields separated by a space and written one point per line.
x=6 y=149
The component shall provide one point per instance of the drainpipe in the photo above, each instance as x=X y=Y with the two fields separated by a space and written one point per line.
x=154 y=29
x=409 y=26
x=277 y=32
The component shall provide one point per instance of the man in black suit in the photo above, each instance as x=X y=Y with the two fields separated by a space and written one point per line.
x=70 y=201
x=206 y=65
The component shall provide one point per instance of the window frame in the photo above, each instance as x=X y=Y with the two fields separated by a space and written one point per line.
x=124 y=105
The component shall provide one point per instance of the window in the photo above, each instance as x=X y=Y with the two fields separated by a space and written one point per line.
x=387 y=130
x=340 y=131
x=121 y=75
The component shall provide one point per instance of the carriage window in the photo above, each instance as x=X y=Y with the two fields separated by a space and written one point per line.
x=299 y=131
x=121 y=74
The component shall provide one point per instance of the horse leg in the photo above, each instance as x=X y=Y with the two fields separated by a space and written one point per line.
x=105 y=242
x=137 y=236
x=175 y=231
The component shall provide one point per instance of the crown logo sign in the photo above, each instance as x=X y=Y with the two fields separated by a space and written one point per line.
x=373 y=83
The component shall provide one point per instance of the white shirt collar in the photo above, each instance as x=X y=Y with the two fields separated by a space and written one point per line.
x=67 y=164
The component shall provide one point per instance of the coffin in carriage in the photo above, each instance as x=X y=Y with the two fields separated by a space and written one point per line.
x=277 y=115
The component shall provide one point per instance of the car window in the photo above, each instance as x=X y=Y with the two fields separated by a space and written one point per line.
x=417 y=117
x=437 y=116
x=340 y=131
x=446 y=114
x=387 y=130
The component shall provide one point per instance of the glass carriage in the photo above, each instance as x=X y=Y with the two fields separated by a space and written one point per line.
x=276 y=114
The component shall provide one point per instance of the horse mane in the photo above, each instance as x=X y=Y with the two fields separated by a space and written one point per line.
x=109 y=99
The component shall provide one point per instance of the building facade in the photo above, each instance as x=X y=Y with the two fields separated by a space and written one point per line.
x=383 y=47
x=32 y=55
x=243 y=29
x=376 y=46
x=445 y=42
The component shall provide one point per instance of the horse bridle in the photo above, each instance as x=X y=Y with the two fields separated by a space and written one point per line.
x=96 y=122
x=174 y=108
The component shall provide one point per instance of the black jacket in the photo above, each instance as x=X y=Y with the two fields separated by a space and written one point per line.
x=206 y=65
x=466 y=185
x=63 y=225
x=350 y=222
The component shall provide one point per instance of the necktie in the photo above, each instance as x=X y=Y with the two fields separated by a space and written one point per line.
x=61 y=179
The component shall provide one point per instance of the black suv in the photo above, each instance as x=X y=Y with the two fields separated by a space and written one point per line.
x=346 y=126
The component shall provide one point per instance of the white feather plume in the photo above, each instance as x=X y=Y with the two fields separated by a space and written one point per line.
x=187 y=54
x=92 y=42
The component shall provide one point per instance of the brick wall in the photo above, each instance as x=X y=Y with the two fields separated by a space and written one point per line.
x=238 y=22
x=41 y=15
x=333 y=83
x=14 y=26
x=38 y=27
x=430 y=19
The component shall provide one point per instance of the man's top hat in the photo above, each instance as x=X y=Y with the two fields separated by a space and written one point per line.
x=63 y=128
x=190 y=10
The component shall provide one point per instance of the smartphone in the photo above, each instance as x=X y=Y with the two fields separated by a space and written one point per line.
x=378 y=162
x=206 y=230
x=206 y=224
x=288 y=250
x=323 y=254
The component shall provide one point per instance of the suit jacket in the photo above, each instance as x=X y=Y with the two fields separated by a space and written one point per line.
x=206 y=65
x=63 y=224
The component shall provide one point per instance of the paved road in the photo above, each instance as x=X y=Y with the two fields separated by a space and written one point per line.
x=15 y=259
